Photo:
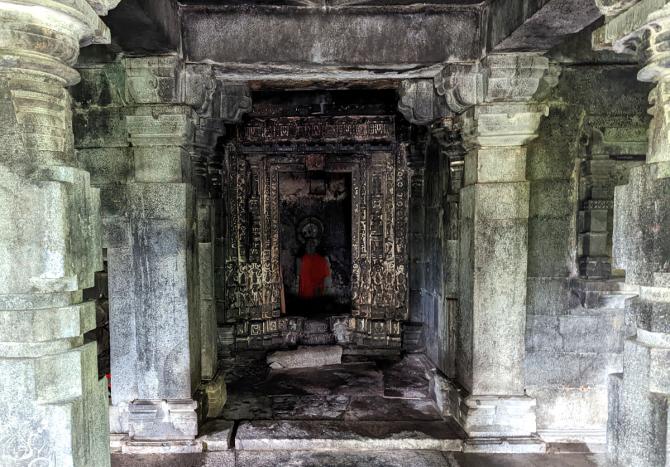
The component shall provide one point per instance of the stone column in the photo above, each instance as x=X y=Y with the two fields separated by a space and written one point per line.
x=206 y=162
x=494 y=247
x=53 y=408
x=153 y=269
x=638 y=398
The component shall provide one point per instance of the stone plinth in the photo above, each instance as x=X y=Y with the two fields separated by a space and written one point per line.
x=53 y=408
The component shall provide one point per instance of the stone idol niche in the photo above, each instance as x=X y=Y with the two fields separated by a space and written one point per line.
x=316 y=249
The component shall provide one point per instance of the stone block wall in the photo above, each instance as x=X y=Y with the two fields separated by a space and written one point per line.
x=575 y=327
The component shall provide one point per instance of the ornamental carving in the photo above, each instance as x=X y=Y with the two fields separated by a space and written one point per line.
x=299 y=129
x=379 y=225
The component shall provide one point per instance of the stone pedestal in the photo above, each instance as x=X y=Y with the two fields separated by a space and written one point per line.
x=53 y=408
x=494 y=249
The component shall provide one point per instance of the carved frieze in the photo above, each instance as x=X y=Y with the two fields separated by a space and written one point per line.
x=334 y=129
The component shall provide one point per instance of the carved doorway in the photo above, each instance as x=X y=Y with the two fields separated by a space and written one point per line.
x=362 y=152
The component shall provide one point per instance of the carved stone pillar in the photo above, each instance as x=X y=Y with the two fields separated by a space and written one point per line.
x=153 y=268
x=638 y=398
x=53 y=408
x=206 y=174
x=494 y=247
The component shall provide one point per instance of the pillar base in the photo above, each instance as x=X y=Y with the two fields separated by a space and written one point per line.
x=496 y=417
x=215 y=396
x=155 y=420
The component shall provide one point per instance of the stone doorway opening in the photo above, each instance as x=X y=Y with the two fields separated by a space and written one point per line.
x=315 y=241
x=316 y=182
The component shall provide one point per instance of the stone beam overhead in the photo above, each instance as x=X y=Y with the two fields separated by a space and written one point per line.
x=53 y=407
x=343 y=33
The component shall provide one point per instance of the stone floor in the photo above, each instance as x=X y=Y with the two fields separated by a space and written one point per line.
x=367 y=412
x=358 y=459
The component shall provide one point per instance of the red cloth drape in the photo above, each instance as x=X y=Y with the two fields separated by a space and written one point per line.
x=313 y=272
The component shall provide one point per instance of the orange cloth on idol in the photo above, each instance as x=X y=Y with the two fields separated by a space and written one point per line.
x=313 y=272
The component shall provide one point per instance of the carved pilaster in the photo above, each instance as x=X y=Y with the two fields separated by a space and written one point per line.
x=52 y=405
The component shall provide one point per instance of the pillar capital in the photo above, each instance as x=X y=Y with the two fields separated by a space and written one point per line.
x=44 y=36
x=655 y=46
x=510 y=78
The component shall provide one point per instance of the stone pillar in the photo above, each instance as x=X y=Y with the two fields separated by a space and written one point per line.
x=53 y=408
x=638 y=398
x=153 y=269
x=494 y=248
x=452 y=152
x=206 y=162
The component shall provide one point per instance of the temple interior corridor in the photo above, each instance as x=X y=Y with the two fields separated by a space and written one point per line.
x=334 y=233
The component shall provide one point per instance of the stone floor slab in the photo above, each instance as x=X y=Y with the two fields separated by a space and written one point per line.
x=216 y=435
x=309 y=407
x=346 y=379
x=359 y=435
x=340 y=459
x=386 y=458
x=407 y=378
x=375 y=408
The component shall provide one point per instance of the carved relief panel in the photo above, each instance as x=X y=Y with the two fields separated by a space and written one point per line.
x=366 y=149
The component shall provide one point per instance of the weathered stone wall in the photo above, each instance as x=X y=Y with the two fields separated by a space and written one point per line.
x=575 y=327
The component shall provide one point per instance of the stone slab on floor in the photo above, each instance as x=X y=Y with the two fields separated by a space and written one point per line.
x=375 y=408
x=340 y=459
x=309 y=407
x=347 y=435
x=247 y=406
x=357 y=459
x=216 y=435
x=407 y=378
x=306 y=357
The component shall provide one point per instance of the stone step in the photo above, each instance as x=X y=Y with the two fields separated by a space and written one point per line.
x=306 y=435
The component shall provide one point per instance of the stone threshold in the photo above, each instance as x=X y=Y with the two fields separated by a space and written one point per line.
x=335 y=435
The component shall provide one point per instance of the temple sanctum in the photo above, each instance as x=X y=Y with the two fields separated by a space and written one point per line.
x=396 y=233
